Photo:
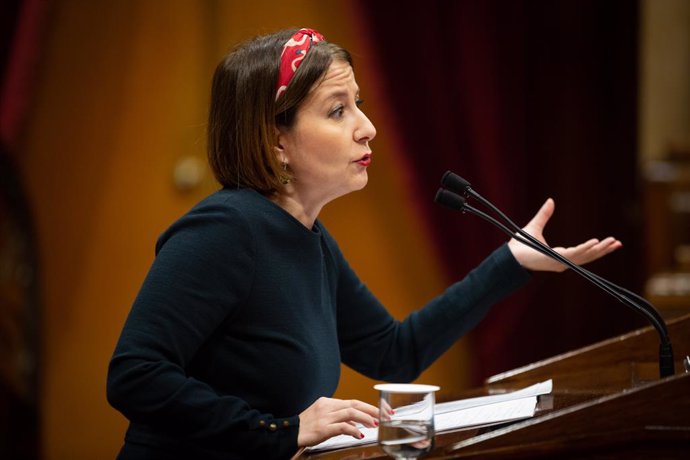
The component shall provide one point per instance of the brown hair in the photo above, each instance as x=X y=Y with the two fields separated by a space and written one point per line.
x=244 y=113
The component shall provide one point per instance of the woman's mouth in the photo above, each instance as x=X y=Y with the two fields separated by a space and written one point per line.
x=365 y=160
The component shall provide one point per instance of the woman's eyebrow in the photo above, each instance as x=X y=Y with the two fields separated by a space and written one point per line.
x=338 y=93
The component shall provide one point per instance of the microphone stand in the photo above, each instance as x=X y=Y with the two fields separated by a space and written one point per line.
x=455 y=201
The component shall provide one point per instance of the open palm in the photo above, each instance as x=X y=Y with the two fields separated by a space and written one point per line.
x=581 y=254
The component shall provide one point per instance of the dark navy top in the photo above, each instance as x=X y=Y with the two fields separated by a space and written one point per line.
x=242 y=323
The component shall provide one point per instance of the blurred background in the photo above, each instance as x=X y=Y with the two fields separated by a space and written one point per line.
x=103 y=114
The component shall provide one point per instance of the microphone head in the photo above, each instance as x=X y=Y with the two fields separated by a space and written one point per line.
x=453 y=182
x=450 y=199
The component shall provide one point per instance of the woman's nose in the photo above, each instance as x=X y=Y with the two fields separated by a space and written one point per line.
x=366 y=130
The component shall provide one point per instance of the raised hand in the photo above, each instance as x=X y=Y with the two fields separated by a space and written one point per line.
x=329 y=417
x=581 y=254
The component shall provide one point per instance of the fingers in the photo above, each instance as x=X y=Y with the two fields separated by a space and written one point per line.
x=606 y=246
x=590 y=250
x=329 y=417
x=346 y=419
x=350 y=414
x=583 y=253
x=367 y=408
x=542 y=216
x=386 y=410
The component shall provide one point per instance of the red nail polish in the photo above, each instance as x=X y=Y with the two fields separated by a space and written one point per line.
x=361 y=435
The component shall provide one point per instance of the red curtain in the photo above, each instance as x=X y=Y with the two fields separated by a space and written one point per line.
x=22 y=26
x=526 y=100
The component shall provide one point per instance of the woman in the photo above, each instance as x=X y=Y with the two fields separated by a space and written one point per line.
x=233 y=346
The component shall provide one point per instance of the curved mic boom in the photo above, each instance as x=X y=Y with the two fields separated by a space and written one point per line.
x=452 y=198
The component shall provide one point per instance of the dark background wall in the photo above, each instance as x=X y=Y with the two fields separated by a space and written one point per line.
x=526 y=100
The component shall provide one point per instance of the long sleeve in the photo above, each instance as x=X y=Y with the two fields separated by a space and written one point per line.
x=203 y=270
x=242 y=323
x=375 y=344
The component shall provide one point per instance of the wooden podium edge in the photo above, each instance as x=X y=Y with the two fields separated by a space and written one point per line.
x=655 y=410
x=675 y=323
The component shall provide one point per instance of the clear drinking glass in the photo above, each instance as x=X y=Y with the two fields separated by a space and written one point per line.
x=406 y=419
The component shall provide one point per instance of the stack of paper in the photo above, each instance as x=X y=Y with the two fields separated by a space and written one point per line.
x=463 y=413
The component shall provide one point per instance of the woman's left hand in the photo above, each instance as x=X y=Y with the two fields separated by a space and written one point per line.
x=581 y=254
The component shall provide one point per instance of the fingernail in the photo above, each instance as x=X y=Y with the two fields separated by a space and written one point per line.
x=361 y=435
x=376 y=423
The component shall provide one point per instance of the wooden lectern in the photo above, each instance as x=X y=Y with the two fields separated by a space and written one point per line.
x=607 y=403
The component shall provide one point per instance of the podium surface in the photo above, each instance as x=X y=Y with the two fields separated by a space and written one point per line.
x=608 y=402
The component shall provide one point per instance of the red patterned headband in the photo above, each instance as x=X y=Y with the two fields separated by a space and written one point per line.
x=294 y=51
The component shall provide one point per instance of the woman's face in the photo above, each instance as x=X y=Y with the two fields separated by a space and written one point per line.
x=327 y=148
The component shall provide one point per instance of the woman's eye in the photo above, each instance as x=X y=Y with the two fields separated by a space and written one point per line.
x=337 y=112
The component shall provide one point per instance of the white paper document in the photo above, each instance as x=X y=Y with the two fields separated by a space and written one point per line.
x=463 y=413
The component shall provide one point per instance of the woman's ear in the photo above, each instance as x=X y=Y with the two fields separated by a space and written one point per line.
x=282 y=154
x=278 y=146
x=278 y=141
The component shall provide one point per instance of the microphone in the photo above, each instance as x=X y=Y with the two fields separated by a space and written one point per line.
x=451 y=197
